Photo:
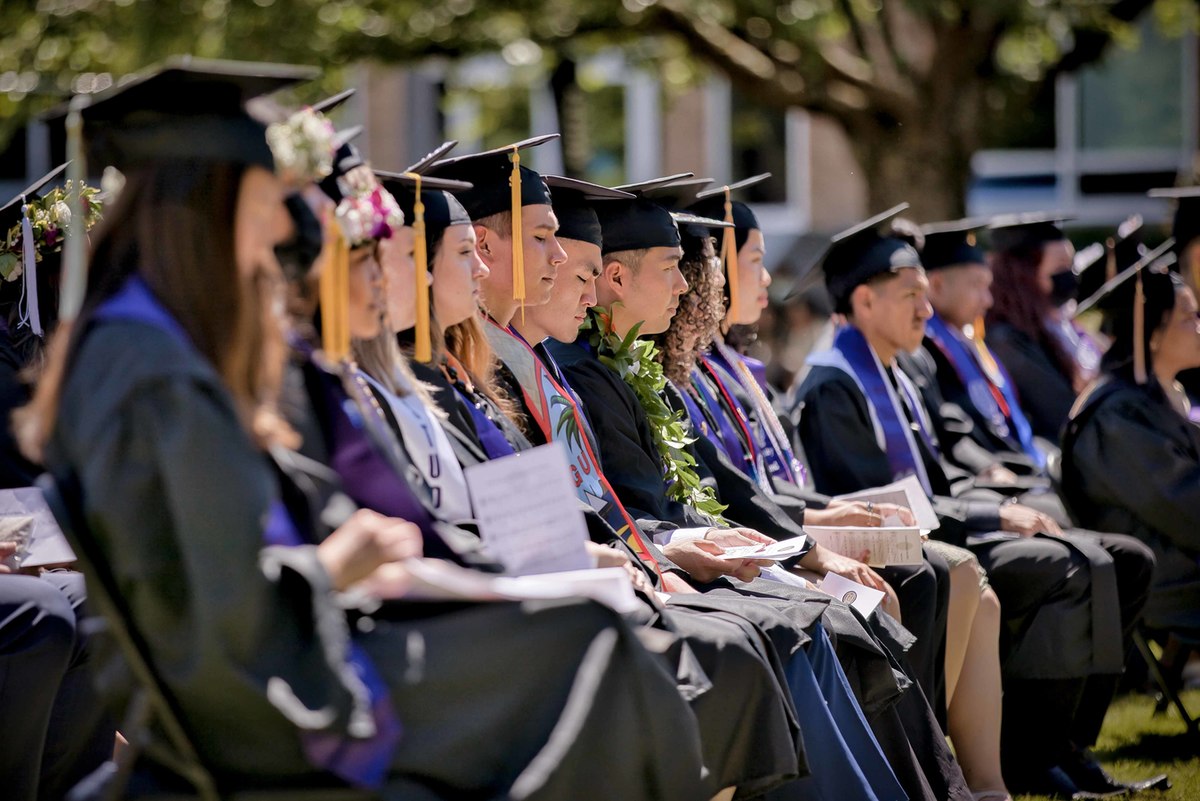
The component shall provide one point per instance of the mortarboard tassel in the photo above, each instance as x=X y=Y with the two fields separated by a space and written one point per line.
x=29 y=286
x=334 y=293
x=74 y=269
x=1110 y=268
x=977 y=334
x=1139 y=331
x=424 y=349
x=518 y=248
x=729 y=256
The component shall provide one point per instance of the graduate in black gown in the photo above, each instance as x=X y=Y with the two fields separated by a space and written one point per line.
x=1185 y=230
x=161 y=434
x=633 y=464
x=752 y=752
x=989 y=439
x=58 y=731
x=1049 y=358
x=1131 y=458
x=863 y=424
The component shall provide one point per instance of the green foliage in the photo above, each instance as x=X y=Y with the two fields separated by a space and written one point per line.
x=634 y=361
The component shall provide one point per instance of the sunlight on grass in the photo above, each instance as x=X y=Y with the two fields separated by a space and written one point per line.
x=1136 y=744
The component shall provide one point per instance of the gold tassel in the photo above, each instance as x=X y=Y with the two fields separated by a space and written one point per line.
x=334 y=289
x=424 y=345
x=729 y=256
x=518 y=247
x=1110 y=269
x=1139 y=331
x=985 y=355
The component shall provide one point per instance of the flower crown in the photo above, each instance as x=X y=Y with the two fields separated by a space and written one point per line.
x=303 y=146
x=367 y=211
x=49 y=216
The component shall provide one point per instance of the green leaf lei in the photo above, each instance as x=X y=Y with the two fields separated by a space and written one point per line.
x=634 y=361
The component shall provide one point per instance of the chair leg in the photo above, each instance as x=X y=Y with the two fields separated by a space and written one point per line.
x=1164 y=686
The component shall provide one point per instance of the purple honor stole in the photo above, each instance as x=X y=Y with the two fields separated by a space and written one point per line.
x=852 y=354
x=770 y=439
x=359 y=759
x=712 y=416
x=984 y=385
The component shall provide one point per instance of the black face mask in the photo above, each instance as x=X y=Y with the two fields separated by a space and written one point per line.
x=1063 y=287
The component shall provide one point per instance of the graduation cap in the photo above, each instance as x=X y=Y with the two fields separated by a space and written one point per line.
x=1099 y=263
x=1185 y=227
x=1136 y=298
x=574 y=207
x=636 y=224
x=500 y=183
x=857 y=255
x=641 y=187
x=184 y=108
x=12 y=211
x=22 y=245
x=431 y=208
x=674 y=195
x=1027 y=230
x=952 y=243
x=719 y=203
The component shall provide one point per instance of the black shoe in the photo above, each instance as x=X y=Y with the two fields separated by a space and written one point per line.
x=1053 y=782
x=1089 y=776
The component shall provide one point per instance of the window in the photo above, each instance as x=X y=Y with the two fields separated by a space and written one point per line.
x=759 y=141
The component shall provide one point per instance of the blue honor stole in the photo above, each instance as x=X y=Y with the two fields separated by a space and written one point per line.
x=895 y=436
x=769 y=437
x=989 y=389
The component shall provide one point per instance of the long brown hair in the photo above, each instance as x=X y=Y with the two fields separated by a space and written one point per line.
x=468 y=343
x=1019 y=301
x=173 y=224
x=701 y=310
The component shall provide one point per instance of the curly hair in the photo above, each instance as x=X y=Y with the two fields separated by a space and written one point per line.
x=1018 y=301
x=701 y=310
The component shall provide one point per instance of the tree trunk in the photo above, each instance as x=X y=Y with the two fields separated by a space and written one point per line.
x=924 y=164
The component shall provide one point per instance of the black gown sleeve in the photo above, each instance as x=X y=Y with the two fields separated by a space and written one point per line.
x=1046 y=394
x=1130 y=461
x=627 y=451
x=835 y=428
x=178 y=499
x=748 y=505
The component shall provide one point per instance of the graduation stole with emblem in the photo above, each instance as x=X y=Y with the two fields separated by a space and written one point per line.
x=769 y=437
x=987 y=385
x=554 y=409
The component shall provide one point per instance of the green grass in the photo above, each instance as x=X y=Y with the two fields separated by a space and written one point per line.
x=1136 y=744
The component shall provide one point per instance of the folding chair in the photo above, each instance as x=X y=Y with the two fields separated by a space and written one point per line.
x=1168 y=693
x=151 y=704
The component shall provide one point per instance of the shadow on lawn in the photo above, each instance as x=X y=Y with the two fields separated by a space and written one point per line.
x=1155 y=748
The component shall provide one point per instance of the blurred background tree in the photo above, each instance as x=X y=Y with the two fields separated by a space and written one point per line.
x=918 y=85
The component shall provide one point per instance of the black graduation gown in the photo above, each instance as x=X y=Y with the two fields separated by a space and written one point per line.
x=966 y=435
x=1046 y=394
x=251 y=646
x=631 y=465
x=748 y=728
x=15 y=470
x=1052 y=632
x=1131 y=463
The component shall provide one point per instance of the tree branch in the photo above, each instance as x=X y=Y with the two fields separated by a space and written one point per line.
x=1090 y=43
